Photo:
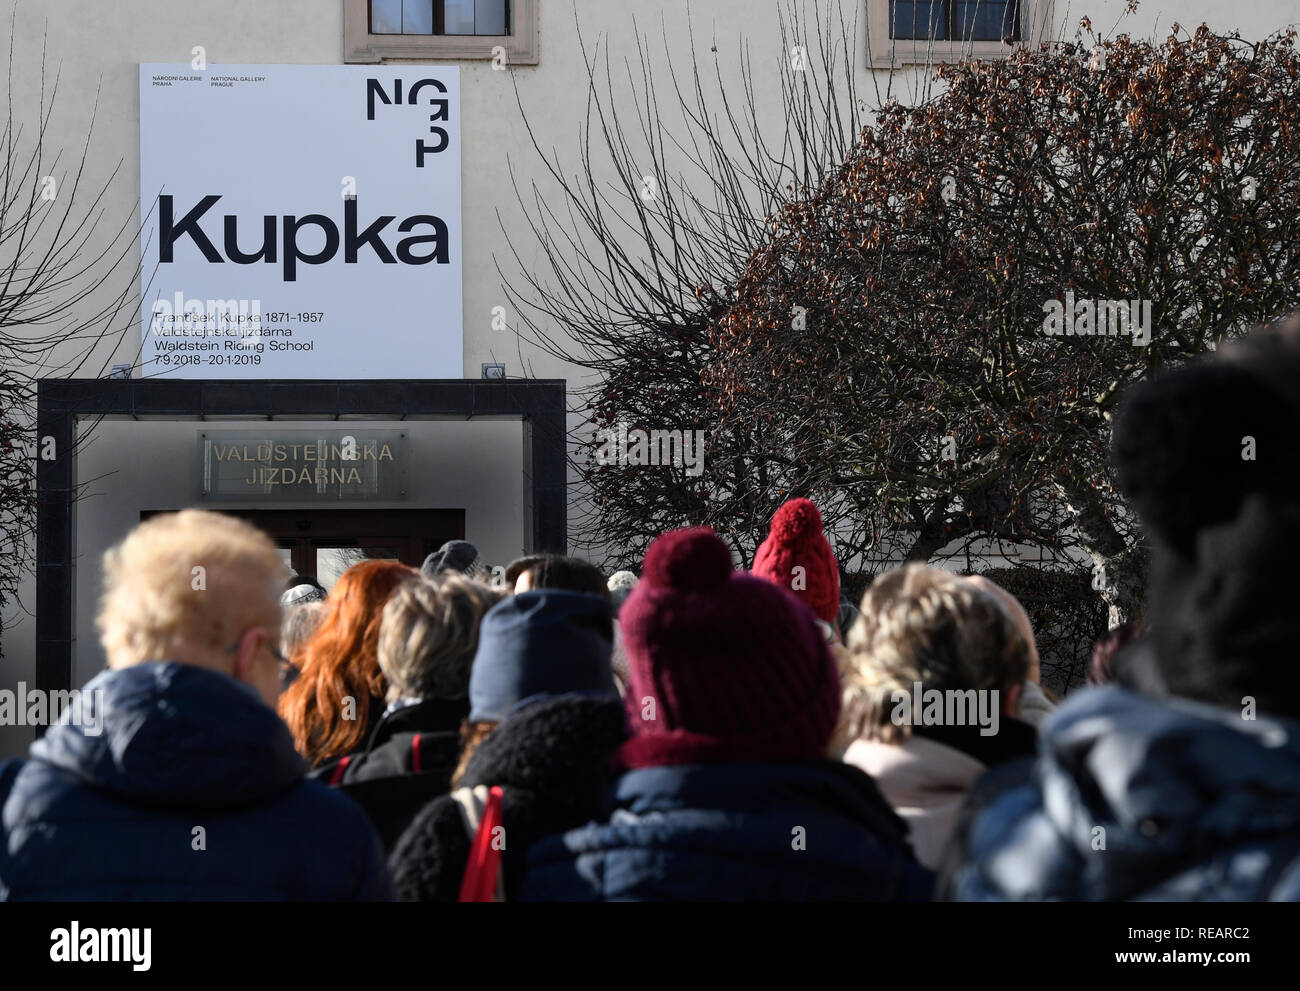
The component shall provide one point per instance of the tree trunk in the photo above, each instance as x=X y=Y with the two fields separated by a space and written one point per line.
x=1118 y=568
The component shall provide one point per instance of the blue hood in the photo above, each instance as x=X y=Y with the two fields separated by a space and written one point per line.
x=175 y=735
x=1174 y=784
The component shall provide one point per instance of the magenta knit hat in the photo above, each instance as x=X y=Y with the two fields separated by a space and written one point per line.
x=795 y=540
x=723 y=666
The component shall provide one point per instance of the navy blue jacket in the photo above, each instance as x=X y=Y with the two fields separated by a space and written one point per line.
x=805 y=831
x=114 y=816
x=1135 y=798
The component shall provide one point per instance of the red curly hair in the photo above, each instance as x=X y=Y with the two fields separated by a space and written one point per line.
x=340 y=660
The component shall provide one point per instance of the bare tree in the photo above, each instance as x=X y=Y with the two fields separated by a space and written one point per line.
x=56 y=320
x=852 y=304
x=645 y=240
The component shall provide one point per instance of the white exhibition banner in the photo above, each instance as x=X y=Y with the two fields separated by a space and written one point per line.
x=301 y=221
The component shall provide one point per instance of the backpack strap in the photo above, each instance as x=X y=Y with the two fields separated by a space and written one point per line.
x=339 y=770
x=480 y=810
x=471 y=802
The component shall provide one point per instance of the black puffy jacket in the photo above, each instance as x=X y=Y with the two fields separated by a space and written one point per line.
x=408 y=761
x=553 y=759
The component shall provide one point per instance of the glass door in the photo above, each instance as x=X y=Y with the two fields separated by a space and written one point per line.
x=335 y=557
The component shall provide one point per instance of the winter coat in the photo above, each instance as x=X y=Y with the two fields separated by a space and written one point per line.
x=925 y=782
x=800 y=831
x=191 y=790
x=1136 y=798
x=408 y=762
x=926 y=779
x=552 y=758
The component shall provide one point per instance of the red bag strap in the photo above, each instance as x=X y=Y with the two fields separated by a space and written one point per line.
x=342 y=766
x=481 y=882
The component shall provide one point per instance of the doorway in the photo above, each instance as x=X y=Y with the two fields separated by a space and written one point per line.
x=323 y=543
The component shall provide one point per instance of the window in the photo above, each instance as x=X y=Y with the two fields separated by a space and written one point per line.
x=967 y=20
x=376 y=30
x=442 y=17
x=909 y=32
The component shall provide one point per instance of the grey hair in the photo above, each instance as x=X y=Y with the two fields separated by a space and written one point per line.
x=299 y=623
x=429 y=633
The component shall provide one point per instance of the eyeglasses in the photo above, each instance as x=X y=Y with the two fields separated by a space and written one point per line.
x=287 y=672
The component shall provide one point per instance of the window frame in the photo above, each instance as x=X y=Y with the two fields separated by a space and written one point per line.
x=884 y=52
x=360 y=46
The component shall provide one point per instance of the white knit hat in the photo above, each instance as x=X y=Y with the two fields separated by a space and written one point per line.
x=621 y=579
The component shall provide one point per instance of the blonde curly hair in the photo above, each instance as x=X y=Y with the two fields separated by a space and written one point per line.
x=189 y=578
x=927 y=625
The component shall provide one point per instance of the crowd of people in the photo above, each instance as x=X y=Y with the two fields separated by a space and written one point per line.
x=696 y=732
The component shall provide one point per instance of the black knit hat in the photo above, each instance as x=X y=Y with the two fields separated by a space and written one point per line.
x=1190 y=446
x=1209 y=456
x=455 y=555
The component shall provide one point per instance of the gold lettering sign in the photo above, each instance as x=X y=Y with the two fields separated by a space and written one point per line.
x=337 y=464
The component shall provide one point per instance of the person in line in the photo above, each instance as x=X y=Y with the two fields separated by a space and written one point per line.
x=557 y=571
x=1036 y=704
x=454 y=557
x=927 y=627
x=1109 y=651
x=729 y=792
x=797 y=556
x=333 y=705
x=544 y=722
x=1188 y=789
x=427 y=641
x=845 y=617
x=518 y=566
x=174 y=779
x=621 y=584
x=300 y=621
x=301 y=590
